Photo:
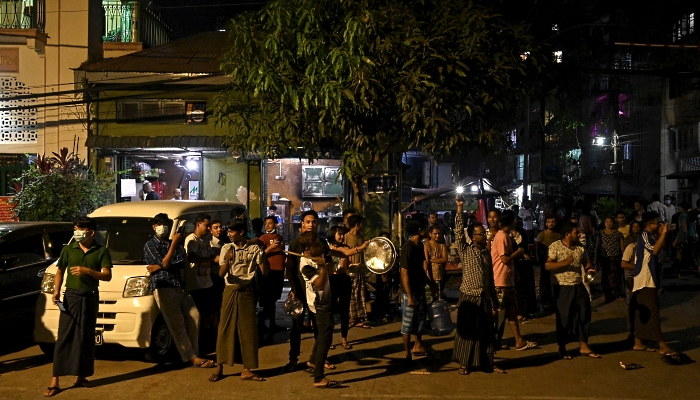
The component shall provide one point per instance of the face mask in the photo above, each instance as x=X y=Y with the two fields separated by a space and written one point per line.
x=79 y=236
x=272 y=231
x=162 y=230
x=667 y=202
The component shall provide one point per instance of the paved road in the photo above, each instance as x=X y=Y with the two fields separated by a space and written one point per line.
x=374 y=369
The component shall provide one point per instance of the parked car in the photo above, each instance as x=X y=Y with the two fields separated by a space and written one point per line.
x=128 y=314
x=26 y=250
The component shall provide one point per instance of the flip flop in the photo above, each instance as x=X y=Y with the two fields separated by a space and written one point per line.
x=205 y=364
x=499 y=370
x=328 y=385
x=328 y=365
x=332 y=347
x=346 y=346
x=254 y=378
x=645 y=349
x=216 y=377
x=463 y=371
x=52 y=391
x=528 y=345
x=420 y=353
x=565 y=355
x=82 y=383
x=591 y=355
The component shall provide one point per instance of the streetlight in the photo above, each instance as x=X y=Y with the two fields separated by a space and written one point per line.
x=600 y=141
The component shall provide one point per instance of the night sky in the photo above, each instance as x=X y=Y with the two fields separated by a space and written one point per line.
x=187 y=17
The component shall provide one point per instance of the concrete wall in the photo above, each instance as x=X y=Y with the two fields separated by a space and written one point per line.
x=45 y=69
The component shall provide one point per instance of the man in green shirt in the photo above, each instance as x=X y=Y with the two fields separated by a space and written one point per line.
x=87 y=263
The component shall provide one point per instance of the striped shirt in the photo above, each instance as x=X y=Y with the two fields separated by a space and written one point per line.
x=477 y=272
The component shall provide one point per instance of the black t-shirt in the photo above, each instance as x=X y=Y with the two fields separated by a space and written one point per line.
x=153 y=196
x=293 y=262
x=412 y=257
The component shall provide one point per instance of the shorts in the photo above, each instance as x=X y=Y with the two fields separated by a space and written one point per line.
x=414 y=318
x=507 y=302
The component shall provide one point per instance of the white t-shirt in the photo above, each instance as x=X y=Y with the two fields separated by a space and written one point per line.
x=528 y=218
x=630 y=257
x=200 y=270
x=315 y=298
x=242 y=266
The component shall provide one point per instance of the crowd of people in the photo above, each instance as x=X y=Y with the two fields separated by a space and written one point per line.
x=215 y=281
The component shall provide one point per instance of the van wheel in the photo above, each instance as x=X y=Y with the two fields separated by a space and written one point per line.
x=47 y=349
x=162 y=347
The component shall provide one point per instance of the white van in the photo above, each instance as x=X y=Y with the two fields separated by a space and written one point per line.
x=128 y=314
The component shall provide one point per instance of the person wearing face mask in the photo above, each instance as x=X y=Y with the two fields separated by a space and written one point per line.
x=88 y=263
x=270 y=287
x=166 y=260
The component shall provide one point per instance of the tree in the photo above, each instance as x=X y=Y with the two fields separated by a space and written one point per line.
x=59 y=188
x=370 y=77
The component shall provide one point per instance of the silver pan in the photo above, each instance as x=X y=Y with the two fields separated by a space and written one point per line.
x=380 y=255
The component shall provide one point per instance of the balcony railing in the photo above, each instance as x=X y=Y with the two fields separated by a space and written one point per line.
x=22 y=14
x=132 y=22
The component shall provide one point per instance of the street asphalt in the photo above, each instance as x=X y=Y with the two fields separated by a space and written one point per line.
x=375 y=369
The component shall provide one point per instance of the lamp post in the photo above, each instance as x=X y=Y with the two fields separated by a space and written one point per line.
x=615 y=167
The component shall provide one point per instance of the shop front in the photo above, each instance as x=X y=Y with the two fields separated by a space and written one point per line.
x=197 y=167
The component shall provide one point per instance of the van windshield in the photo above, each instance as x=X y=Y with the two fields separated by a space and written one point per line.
x=124 y=237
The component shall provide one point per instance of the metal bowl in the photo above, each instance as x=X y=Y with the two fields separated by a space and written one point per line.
x=589 y=277
x=293 y=307
x=380 y=255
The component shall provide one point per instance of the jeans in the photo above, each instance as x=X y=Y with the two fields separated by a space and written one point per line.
x=324 y=327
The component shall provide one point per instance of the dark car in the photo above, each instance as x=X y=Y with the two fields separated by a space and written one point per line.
x=26 y=249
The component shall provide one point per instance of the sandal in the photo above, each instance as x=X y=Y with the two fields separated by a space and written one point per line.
x=499 y=370
x=327 y=385
x=215 y=377
x=463 y=371
x=82 y=383
x=649 y=349
x=528 y=345
x=591 y=355
x=52 y=391
x=254 y=378
x=204 y=364
x=564 y=355
x=346 y=345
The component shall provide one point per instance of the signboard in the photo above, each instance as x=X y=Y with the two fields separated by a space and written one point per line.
x=194 y=190
x=128 y=187
x=9 y=59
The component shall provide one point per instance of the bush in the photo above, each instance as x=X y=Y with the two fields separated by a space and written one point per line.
x=60 y=188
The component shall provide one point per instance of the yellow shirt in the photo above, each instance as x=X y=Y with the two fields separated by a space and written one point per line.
x=624 y=231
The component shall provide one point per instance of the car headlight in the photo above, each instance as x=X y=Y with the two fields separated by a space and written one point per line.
x=137 y=287
x=47 y=283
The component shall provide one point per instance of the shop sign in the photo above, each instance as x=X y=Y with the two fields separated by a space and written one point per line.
x=9 y=60
x=194 y=190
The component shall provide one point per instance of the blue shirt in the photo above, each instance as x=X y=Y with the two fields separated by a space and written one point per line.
x=153 y=252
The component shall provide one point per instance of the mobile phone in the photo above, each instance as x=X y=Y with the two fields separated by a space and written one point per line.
x=61 y=306
x=180 y=226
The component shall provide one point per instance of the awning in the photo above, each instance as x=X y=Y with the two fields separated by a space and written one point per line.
x=683 y=175
x=155 y=142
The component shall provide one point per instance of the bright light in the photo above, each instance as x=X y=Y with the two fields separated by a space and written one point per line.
x=474 y=188
x=600 y=141
x=459 y=190
x=192 y=165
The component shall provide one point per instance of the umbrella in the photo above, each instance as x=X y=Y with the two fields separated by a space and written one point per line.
x=605 y=185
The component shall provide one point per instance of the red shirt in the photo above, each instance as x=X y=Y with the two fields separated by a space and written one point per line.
x=277 y=258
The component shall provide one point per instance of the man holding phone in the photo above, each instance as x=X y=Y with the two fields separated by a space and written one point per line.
x=87 y=263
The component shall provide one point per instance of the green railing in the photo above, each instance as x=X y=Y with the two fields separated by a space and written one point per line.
x=22 y=14
x=131 y=22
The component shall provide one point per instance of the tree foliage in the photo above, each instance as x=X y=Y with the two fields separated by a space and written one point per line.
x=369 y=77
x=59 y=188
